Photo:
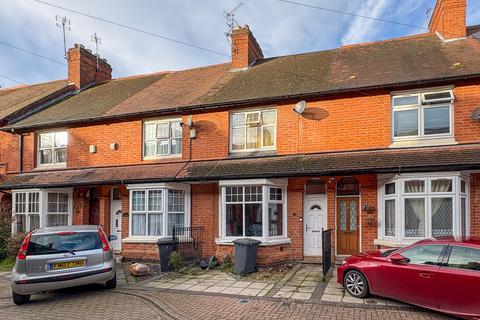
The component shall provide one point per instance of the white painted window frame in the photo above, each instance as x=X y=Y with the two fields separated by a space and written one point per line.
x=261 y=148
x=53 y=164
x=428 y=195
x=43 y=205
x=421 y=107
x=266 y=184
x=164 y=187
x=170 y=138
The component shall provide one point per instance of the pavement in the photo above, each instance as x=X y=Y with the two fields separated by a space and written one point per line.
x=143 y=301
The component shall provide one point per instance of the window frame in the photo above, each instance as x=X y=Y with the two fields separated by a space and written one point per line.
x=456 y=195
x=250 y=111
x=38 y=135
x=421 y=106
x=165 y=187
x=42 y=205
x=170 y=138
x=266 y=184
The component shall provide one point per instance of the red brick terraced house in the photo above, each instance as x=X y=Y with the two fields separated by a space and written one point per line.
x=385 y=152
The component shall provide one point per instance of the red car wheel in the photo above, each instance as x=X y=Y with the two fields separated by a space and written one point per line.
x=356 y=284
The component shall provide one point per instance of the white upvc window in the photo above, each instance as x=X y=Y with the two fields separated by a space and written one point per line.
x=416 y=206
x=422 y=115
x=52 y=148
x=253 y=130
x=156 y=208
x=162 y=138
x=41 y=208
x=253 y=208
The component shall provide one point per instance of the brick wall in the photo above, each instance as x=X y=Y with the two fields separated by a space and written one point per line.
x=475 y=205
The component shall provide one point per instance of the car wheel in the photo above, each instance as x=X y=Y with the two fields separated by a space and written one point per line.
x=112 y=283
x=20 y=299
x=356 y=284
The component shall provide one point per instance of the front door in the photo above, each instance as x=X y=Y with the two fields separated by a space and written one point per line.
x=116 y=219
x=347 y=226
x=315 y=218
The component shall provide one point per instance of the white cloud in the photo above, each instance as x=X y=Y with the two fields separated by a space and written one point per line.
x=361 y=29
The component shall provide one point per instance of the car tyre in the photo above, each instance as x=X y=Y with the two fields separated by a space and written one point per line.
x=356 y=284
x=20 y=299
x=112 y=283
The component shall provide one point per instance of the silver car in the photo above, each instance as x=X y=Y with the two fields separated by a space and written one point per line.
x=61 y=257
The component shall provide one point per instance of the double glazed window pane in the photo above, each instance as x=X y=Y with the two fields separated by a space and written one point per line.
x=406 y=123
x=415 y=217
x=234 y=220
x=21 y=223
x=138 y=201
x=54 y=220
x=155 y=224
x=390 y=218
x=253 y=219
x=253 y=137
x=139 y=224
x=34 y=221
x=414 y=186
x=275 y=219
x=442 y=217
x=155 y=200
x=253 y=130
x=52 y=147
x=437 y=120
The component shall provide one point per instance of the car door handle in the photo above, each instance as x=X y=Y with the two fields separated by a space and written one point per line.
x=426 y=275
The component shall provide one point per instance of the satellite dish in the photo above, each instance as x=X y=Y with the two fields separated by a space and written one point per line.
x=475 y=115
x=300 y=107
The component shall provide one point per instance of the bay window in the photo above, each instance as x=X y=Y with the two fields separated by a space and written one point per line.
x=156 y=209
x=422 y=115
x=162 y=138
x=253 y=130
x=253 y=208
x=413 y=207
x=40 y=208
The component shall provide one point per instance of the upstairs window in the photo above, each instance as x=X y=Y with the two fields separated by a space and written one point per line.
x=422 y=115
x=253 y=130
x=52 y=148
x=162 y=138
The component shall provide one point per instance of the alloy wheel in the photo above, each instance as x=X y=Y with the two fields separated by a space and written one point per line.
x=355 y=284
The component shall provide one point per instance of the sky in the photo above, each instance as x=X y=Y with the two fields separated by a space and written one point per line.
x=280 y=28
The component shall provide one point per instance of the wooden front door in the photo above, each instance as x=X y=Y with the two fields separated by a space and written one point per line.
x=347 y=226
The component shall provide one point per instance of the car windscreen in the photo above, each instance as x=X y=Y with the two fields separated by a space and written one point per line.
x=63 y=242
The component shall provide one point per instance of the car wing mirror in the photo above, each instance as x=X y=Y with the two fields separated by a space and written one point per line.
x=112 y=237
x=399 y=259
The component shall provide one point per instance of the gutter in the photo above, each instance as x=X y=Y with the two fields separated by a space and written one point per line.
x=239 y=103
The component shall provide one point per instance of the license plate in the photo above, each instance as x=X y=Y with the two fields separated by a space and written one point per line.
x=68 y=264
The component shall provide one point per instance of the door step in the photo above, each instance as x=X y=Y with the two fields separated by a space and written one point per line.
x=314 y=260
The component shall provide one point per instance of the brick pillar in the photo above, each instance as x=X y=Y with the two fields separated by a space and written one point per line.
x=80 y=206
x=104 y=213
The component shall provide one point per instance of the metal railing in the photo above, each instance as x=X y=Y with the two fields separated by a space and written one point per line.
x=189 y=242
x=326 y=250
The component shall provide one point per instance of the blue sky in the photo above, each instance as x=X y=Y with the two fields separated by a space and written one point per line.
x=280 y=28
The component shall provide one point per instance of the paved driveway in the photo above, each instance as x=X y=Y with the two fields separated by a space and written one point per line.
x=144 y=303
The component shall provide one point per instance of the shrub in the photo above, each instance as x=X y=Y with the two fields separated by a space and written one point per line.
x=227 y=261
x=14 y=243
x=175 y=261
x=5 y=234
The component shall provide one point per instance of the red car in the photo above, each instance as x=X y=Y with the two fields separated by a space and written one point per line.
x=440 y=274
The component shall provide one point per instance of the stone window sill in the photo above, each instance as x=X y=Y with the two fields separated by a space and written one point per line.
x=265 y=243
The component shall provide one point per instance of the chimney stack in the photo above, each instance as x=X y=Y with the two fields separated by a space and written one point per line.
x=245 y=48
x=449 y=18
x=82 y=67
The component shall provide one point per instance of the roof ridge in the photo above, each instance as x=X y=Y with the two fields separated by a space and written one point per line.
x=407 y=37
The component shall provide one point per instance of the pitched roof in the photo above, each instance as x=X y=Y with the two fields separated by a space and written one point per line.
x=460 y=157
x=401 y=61
x=13 y=100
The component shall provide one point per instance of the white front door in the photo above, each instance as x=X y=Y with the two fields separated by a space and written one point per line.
x=314 y=220
x=116 y=219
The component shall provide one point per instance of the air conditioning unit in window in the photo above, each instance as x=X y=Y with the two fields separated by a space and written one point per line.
x=253 y=118
x=438 y=97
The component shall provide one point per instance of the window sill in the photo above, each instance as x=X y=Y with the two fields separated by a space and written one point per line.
x=265 y=243
x=169 y=157
x=252 y=153
x=135 y=239
x=423 y=142
x=393 y=243
x=42 y=167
